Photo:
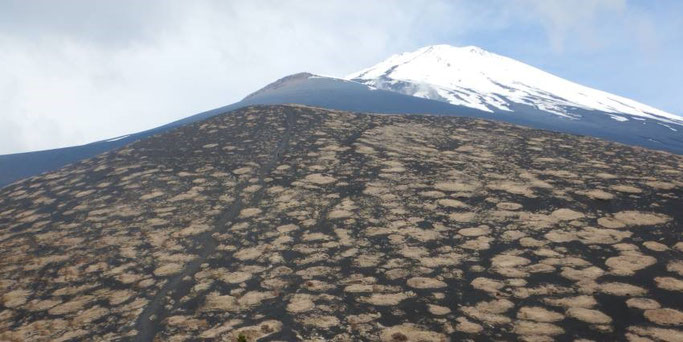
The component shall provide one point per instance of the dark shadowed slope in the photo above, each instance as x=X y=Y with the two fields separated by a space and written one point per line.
x=291 y=222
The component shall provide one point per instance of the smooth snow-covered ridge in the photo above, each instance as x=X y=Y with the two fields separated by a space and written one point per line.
x=473 y=77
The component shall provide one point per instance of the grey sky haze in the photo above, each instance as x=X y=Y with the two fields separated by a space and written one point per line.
x=73 y=72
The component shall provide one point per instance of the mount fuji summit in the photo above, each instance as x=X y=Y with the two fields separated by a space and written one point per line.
x=473 y=77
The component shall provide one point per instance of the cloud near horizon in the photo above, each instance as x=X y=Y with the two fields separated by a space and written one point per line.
x=80 y=71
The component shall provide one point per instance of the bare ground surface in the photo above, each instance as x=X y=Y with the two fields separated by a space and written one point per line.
x=286 y=223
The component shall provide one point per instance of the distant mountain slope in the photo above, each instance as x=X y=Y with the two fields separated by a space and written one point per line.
x=349 y=95
x=473 y=77
x=334 y=93
x=21 y=165
x=292 y=223
x=303 y=88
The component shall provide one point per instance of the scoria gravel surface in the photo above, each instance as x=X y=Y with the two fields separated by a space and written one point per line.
x=283 y=223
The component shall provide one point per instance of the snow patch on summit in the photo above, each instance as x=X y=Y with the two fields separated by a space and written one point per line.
x=473 y=77
x=618 y=118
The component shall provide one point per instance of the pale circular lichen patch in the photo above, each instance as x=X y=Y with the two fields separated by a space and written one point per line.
x=432 y=194
x=660 y=185
x=242 y=170
x=536 y=328
x=609 y=222
x=438 y=310
x=565 y=214
x=599 y=194
x=337 y=214
x=319 y=179
x=386 y=299
x=287 y=228
x=642 y=303
x=462 y=217
x=168 y=269
x=235 y=277
x=464 y=325
x=451 y=203
x=323 y=322
x=621 y=289
x=249 y=212
x=669 y=283
x=508 y=206
x=248 y=253
x=409 y=332
x=626 y=188
x=487 y=284
x=300 y=303
x=72 y=306
x=254 y=298
x=15 y=298
x=539 y=314
x=475 y=231
x=655 y=246
x=454 y=187
x=639 y=218
x=589 y=315
x=425 y=283
x=582 y=301
x=664 y=316
x=504 y=260
x=676 y=267
x=628 y=264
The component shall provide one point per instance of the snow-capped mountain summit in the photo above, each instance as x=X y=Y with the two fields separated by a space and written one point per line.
x=473 y=77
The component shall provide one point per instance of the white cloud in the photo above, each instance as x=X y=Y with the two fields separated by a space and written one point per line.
x=78 y=71
x=574 y=19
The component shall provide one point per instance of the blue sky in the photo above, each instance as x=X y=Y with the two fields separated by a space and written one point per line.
x=630 y=48
x=75 y=71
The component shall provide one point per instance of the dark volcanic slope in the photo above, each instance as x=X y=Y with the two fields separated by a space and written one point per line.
x=291 y=222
